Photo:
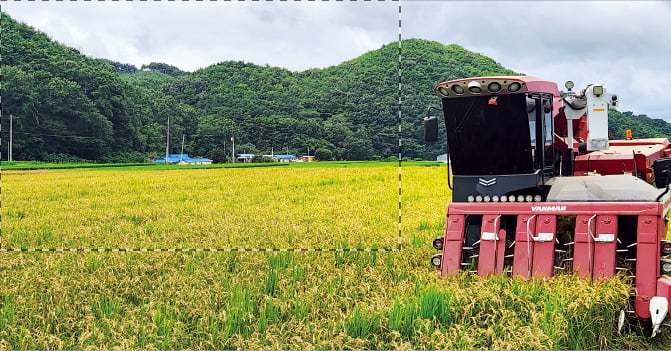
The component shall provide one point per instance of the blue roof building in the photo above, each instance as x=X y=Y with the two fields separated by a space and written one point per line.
x=184 y=159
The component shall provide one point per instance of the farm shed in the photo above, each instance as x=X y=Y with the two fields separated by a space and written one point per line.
x=245 y=158
x=285 y=158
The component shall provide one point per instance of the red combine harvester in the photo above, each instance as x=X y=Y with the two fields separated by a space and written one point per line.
x=538 y=188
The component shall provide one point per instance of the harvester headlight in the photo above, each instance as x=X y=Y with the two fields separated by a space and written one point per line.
x=495 y=198
x=504 y=198
x=569 y=84
x=438 y=243
x=514 y=87
x=494 y=87
x=666 y=267
x=443 y=91
x=470 y=198
x=666 y=248
x=538 y=198
x=529 y=198
x=457 y=89
x=435 y=260
x=597 y=90
x=478 y=198
x=487 y=198
x=520 y=198
x=511 y=198
x=474 y=87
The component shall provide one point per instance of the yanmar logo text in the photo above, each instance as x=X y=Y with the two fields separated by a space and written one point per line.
x=548 y=208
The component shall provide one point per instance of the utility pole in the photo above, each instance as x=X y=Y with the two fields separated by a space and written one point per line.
x=233 y=152
x=167 y=141
x=181 y=155
x=10 y=136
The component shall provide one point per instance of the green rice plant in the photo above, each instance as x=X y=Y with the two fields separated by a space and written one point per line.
x=93 y=262
x=7 y=313
x=362 y=323
x=106 y=307
x=271 y=282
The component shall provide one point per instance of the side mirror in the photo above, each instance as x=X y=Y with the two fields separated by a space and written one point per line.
x=662 y=169
x=430 y=129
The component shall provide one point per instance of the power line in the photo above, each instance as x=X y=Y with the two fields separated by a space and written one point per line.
x=61 y=136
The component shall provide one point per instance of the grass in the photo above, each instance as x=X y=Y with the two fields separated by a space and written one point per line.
x=268 y=300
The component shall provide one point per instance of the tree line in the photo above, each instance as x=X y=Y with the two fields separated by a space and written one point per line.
x=69 y=107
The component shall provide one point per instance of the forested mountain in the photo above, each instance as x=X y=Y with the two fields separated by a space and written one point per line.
x=67 y=106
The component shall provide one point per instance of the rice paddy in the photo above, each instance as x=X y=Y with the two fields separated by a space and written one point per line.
x=268 y=300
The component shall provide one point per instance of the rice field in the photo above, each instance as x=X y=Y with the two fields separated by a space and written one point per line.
x=268 y=300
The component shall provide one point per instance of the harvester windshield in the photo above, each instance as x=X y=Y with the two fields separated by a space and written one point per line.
x=489 y=136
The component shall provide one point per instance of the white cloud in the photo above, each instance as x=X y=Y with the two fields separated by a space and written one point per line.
x=194 y=35
x=618 y=42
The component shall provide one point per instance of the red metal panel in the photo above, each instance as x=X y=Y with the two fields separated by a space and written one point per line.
x=583 y=251
x=524 y=246
x=605 y=246
x=453 y=245
x=500 y=251
x=647 y=264
x=664 y=287
x=489 y=246
x=544 y=248
x=556 y=208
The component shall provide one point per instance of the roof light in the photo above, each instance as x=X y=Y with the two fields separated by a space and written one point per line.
x=520 y=198
x=569 y=85
x=470 y=198
x=529 y=198
x=538 y=198
x=666 y=267
x=666 y=248
x=495 y=198
x=494 y=87
x=504 y=198
x=474 y=87
x=478 y=198
x=487 y=198
x=597 y=90
x=438 y=243
x=514 y=87
x=511 y=198
x=457 y=89
x=443 y=91
x=435 y=260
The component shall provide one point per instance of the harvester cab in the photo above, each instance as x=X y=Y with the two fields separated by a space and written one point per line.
x=540 y=188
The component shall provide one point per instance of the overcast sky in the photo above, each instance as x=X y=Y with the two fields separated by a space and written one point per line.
x=624 y=44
